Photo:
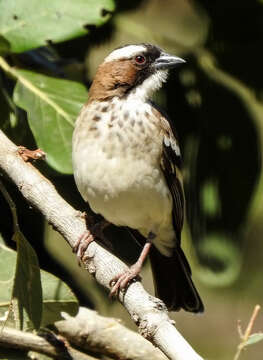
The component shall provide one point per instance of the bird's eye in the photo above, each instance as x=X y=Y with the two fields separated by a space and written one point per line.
x=140 y=59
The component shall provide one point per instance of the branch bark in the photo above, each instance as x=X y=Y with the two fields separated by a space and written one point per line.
x=148 y=312
x=16 y=339
x=99 y=334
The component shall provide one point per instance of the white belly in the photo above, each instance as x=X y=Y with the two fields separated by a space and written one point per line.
x=120 y=177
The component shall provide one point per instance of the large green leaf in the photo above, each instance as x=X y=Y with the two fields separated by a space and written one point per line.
x=30 y=24
x=57 y=296
x=52 y=106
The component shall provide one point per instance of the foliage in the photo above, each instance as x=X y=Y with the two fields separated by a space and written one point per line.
x=25 y=26
x=22 y=299
x=52 y=106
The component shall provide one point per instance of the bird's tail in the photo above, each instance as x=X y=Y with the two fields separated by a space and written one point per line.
x=173 y=282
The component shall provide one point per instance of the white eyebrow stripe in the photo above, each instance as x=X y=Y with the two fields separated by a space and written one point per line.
x=125 y=52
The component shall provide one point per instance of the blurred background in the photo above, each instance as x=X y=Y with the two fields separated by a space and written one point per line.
x=216 y=102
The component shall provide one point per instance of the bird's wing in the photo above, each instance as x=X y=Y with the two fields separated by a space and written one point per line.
x=171 y=163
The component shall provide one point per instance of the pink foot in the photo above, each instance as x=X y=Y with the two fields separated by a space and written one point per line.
x=82 y=244
x=121 y=281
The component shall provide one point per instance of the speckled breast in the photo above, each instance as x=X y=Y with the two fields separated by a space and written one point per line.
x=116 y=157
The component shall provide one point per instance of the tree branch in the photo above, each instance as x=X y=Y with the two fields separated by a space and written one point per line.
x=58 y=349
x=99 y=334
x=149 y=313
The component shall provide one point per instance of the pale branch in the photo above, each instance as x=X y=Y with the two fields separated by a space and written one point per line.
x=25 y=341
x=245 y=337
x=90 y=331
x=149 y=313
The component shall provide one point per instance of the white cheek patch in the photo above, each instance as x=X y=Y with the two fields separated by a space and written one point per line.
x=125 y=52
x=145 y=90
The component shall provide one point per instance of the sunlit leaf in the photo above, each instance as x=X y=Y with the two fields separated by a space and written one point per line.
x=30 y=25
x=254 y=338
x=52 y=106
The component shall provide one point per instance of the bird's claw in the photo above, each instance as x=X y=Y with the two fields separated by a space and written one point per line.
x=96 y=231
x=123 y=280
x=82 y=244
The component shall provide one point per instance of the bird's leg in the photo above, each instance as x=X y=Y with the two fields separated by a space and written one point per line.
x=96 y=231
x=121 y=281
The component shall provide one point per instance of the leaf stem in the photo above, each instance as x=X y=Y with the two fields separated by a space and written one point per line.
x=17 y=75
x=247 y=333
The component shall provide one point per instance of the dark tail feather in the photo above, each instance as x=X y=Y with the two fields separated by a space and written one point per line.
x=173 y=283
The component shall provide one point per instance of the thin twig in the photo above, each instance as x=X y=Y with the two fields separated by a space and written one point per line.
x=244 y=337
x=251 y=322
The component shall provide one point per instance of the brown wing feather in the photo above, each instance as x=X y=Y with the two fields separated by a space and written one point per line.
x=177 y=291
x=173 y=178
x=171 y=163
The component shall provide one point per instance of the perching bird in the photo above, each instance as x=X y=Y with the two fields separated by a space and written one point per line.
x=127 y=162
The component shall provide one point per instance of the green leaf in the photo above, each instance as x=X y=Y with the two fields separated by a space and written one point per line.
x=27 y=25
x=254 y=338
x=52 y=106
x=57 y=296
x=27 y=291
x=7 y=275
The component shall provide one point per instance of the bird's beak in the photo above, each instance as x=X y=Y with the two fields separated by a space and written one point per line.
x=166 y=61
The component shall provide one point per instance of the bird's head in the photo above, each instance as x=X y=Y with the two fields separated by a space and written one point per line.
x=132 y=70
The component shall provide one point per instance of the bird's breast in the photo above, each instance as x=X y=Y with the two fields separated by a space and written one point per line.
x=115 y=145
x=116 y=158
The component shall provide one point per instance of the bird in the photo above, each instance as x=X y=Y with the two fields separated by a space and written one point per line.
x=127 y=166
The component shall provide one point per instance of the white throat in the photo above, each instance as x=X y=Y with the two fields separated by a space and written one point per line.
x=145 y=90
